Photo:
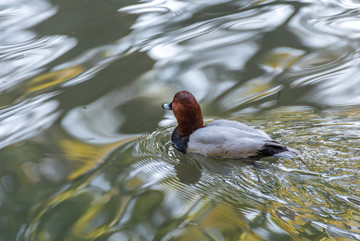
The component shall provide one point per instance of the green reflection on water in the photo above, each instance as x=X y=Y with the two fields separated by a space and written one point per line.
x=144 y=189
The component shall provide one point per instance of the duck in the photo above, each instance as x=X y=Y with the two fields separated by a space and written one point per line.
x=219 y=138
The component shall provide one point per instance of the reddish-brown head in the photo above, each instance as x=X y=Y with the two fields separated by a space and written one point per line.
x=187 y=112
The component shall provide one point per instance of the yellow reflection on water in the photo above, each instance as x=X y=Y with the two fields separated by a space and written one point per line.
x=216 y=221
x=53 y=78
x=283 y=58
x=87 y=156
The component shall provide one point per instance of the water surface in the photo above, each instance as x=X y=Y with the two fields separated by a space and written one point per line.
x=85 y=146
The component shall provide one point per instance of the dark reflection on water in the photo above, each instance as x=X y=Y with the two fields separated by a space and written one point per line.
x=86 y=151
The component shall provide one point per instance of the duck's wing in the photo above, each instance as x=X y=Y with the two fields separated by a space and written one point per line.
x=240 y=126
x=227 y=141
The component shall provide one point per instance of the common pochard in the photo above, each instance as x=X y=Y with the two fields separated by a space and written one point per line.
x=219 y=138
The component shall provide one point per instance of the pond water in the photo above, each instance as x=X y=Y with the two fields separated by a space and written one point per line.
x=85 y=145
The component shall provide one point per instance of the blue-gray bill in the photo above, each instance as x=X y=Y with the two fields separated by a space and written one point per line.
x=167 y=106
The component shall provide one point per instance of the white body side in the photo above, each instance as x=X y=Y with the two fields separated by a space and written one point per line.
x=229 y=139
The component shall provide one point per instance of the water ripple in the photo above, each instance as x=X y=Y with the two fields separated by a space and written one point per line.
x=20 y=14
x=26 y=59
x=320 y=27
x=27 y=119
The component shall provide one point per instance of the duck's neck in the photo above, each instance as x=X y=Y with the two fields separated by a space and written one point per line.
x=190 y=123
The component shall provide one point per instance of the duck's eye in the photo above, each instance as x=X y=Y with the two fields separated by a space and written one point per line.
x=175 y=99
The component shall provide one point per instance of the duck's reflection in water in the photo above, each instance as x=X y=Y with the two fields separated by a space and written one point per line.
x=189 y=170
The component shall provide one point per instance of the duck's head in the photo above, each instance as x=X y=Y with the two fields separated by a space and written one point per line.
x=187 y=112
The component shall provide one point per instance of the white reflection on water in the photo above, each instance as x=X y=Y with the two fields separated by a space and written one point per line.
x=331 y=91
x=152 y=6
x=20 y=14
x=22 y=52
x=319 y=27
x=230 y=41
x=26 y=59
x=97 y=122
x=27 y=119
x=96 y=59
x=100 y=122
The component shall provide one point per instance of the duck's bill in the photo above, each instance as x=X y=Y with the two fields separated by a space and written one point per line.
x=167 y=106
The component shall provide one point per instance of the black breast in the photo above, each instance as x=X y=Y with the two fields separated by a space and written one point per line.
x=180 y=141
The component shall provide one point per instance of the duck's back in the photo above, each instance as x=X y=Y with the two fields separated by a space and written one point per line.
x=230 y=139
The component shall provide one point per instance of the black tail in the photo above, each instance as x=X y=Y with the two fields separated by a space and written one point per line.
x=272 y=148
